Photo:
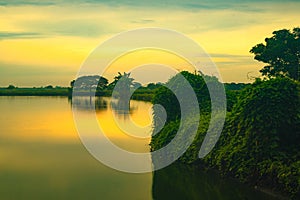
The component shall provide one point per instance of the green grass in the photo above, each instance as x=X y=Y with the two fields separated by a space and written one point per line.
x=140 y=94
x=35 y=92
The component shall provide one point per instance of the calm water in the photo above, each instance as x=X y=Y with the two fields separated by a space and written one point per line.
x=41 y=157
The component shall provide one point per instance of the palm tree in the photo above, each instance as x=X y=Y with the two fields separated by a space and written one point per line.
x=122 y=84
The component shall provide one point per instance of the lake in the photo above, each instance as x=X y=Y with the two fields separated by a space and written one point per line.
x=42 y=157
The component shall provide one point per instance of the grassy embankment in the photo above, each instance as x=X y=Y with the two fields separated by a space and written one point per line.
x=142 y=94
x=35 y=92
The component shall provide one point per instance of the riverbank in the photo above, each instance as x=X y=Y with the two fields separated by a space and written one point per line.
x=259 y=141
x=35 y=92
x=140 y=94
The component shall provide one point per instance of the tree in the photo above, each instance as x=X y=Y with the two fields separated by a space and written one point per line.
x=125 y=83
x=72 y=83
x=102 y=83
x=153 y=86
x=282 y=54
x=121 y=87
x=89 y=82
x=124 y=79
x=11 y=87
x=169 y=101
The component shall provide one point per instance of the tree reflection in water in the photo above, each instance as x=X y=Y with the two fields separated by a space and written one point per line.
x=121 y=109
x=89 y=103
x=181 y=181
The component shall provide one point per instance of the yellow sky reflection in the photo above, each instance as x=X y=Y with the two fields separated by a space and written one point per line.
x=37 y=118
x=117 y=127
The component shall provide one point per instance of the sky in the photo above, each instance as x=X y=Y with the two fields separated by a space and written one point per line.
x=46 y=42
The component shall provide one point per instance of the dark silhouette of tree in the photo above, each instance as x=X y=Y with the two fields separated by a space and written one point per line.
x=11 y=87
x=72 y=83
x=152 y=86
x=282 y=54
x=125 y=84
x=124 y=80
x=122 y=87
x=102 y=83
x=89 y=83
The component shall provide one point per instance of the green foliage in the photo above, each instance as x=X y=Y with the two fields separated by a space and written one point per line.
x=276 y=102
x=124 y=83
x=152 y=86
x=87 y=84
x=35 y=92
x=165 y=97
x=235 y=86
x=145 y=93
x=282 y=54
x=124 y=80
x=168 y=100
x=260 y=140
x=259 y=143
x=168 y=133
x=231 y=98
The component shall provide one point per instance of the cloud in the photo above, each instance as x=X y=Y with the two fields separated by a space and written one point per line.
x=91 y=18
x=224 y=60
x=21 y=3
x=220 y=55
x=191 y=4
x=143 y=21
x=67 y=31
x=69 y=27
x=19 y=35
x=30 y=75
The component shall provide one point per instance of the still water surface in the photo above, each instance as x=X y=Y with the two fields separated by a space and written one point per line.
x=41 y=156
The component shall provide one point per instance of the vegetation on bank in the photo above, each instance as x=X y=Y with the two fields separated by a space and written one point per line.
x=143 y=93
x=50 y=91
x=259 y=143
x=260 y=140
x=86 y=86
x=99 y=86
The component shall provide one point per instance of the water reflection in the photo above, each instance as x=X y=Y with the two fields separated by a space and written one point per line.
x=128 y=125
x=89 y=103
x=41 y=156
x=120 y=108
x=179 y=181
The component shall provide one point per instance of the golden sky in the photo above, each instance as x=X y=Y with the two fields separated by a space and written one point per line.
x=45 y=42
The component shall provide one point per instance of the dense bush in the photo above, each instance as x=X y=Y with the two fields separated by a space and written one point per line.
x=260 y=140
x=166 y=97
